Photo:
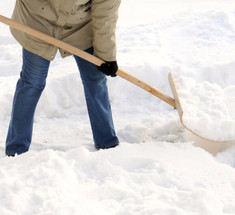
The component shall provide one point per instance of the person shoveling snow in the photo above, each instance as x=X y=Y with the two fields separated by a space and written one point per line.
x=175 y=103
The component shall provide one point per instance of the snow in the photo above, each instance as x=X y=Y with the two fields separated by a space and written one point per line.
x=158 y=167
x=208 y=109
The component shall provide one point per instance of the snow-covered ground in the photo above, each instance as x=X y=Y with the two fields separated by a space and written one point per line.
x=157 y=169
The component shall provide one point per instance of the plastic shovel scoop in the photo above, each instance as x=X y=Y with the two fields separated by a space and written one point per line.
x=73 y=50
x=205 y=109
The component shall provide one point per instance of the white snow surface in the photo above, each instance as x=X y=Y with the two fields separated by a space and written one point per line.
x=157 y=169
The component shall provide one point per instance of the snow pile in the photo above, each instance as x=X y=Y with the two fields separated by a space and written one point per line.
x=156 y=169
x=142 y=178
x=208 y=109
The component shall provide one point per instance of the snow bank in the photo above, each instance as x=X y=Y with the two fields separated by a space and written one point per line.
x=147 y=178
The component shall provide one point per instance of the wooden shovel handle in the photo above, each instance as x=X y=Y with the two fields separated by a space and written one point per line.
x=86 y=56
x=147 y=87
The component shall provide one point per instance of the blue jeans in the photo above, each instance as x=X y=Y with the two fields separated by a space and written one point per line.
x=28 y=91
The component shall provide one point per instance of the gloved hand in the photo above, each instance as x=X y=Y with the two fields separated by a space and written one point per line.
x=109 y=68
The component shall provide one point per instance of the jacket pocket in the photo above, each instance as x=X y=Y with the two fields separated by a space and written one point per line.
x=40 y=8
x=31 y=5
x=79 y=13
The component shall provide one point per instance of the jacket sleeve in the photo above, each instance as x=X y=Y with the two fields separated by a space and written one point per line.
x=104 y=15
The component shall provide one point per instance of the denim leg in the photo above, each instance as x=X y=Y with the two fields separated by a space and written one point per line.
x=28 y=90
x=98 y=104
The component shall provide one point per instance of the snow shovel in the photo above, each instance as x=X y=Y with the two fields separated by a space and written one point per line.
x=73 y=50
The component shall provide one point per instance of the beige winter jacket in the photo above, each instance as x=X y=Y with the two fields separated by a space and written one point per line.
x=81 y=23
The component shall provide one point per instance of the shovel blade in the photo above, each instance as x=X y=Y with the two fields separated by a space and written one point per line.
x=181 y=112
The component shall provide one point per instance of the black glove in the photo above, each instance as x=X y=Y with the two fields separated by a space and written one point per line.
x=109 y=68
